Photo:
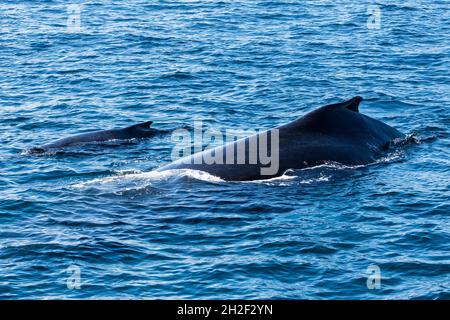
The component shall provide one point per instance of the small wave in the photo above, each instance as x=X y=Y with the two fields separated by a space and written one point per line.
x=321 y=178
x=334 y=166
x=178 y=75
x=179 y=173
x=397 y=155
x=409 y=139
x=71 y=71
x=133 y=179
x=284 y=177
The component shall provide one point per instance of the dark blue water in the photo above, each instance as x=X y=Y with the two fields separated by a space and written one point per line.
x=131 y=233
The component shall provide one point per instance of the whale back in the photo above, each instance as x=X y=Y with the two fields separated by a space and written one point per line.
x=337 y=133
x=344 y=120
x=141 y=130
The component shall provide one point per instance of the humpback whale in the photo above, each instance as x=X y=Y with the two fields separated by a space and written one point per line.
x=141 y=130
x=332 y=133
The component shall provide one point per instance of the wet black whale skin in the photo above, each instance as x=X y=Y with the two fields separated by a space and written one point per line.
x=141 y=130
x=336 y=132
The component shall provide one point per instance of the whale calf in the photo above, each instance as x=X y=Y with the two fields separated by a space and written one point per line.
x=332 y=133
x=141 y=130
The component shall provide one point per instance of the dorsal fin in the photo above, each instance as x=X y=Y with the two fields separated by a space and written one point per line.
x=352 y=104
x=143 y=125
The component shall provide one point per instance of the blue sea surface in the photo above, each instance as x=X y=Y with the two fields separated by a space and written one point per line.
x=95 y=221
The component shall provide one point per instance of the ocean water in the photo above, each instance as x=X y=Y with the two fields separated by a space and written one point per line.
x=95 y=221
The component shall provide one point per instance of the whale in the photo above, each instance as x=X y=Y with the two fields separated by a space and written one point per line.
x=335 y=133
x=137 y=131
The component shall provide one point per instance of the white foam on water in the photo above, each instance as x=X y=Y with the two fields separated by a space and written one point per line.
x=148 y=177
x=180 y=173
x=322 y=178
x=284 y=177
x=137 y=179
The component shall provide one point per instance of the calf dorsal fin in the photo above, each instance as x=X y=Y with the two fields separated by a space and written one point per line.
x=143 y=125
